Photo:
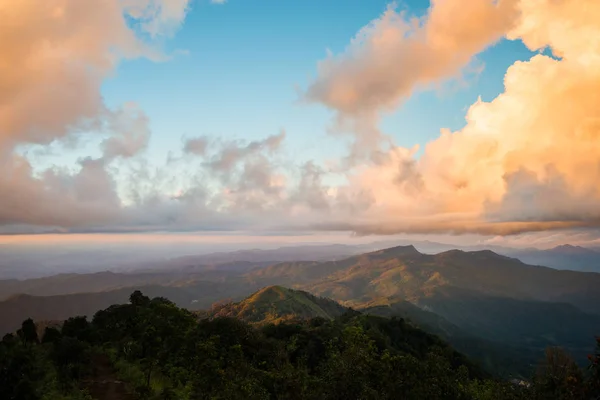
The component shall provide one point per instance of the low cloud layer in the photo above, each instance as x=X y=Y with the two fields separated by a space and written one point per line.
x=526 y=161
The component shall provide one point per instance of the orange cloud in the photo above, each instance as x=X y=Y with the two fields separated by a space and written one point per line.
x=528 y=160
x=392 y=56
x=55 y=55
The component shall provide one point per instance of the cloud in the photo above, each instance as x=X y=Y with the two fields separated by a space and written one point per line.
x=218 y=1
x=527 y=161
x=394 y=55
x=55 y=56
x=58 y=198
x=232 y=153
x=130 y=133
x=197 y=146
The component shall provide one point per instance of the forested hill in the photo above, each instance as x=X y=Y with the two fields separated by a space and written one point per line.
x=276 y=304
x=152 y=349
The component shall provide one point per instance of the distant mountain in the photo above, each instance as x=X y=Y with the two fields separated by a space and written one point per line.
x=275 y=304
x=457 y=294
x=108 y=281
x=568 y=257
x=405 y=273
x=487 y=295
x=256 y=257
x=200 y=295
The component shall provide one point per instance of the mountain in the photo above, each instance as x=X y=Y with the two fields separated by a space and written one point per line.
x=406 y=273
x=15 y=309
x=564 y=257
x=567 y=257
x=75 y=283
x=483 y=294
x=479 y=294
x=254 y=257
x=275 y=304
x=106 y=281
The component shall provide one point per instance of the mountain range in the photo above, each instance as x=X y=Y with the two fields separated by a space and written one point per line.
x=488 y=305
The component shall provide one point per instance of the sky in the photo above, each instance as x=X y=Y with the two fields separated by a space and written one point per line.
x=462 y=121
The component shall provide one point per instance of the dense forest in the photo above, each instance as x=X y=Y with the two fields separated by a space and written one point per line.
x=152 y=349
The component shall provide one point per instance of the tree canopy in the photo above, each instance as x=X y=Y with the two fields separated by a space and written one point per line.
x=164 y=352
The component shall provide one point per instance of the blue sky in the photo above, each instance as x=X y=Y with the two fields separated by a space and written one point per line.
x=236 y=69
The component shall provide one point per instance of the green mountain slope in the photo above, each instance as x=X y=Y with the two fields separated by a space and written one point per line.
x=404 y=272
x=483 y=294
x=275 y=304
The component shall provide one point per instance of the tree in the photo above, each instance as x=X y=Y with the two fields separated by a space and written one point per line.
x=77 y=327
x=21 y=372
x=8 y=339
x=51 y=335
x=558 y=377
x=138 y=299
x=28 y=331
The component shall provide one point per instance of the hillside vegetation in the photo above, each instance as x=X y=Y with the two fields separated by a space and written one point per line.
x=160 y=351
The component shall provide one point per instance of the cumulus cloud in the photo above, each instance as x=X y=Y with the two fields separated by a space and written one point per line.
x=394 y=55
x=527 y=161
x=55 y=55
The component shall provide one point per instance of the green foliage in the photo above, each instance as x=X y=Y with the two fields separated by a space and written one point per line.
x=164 y=352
